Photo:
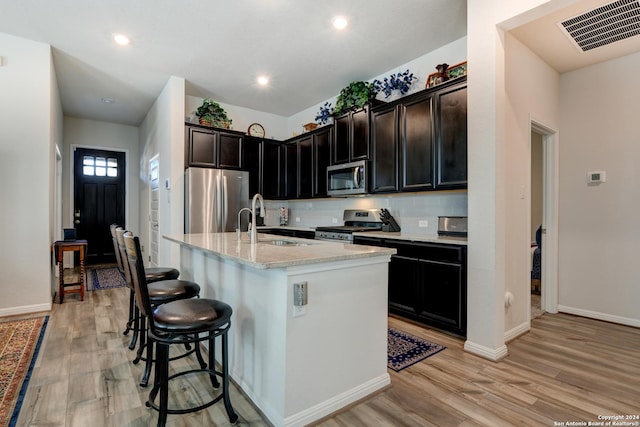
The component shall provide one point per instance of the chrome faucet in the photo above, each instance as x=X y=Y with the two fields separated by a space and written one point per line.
x=239 y=229
x=254 y=229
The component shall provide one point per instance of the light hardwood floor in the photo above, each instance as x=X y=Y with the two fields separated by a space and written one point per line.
x=566 y=369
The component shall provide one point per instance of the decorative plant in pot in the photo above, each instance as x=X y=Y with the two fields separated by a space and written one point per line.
x=354 y=96
x=210 y=113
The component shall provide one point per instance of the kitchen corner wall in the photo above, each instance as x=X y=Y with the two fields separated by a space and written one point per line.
x=407 y=208
x=599 y=236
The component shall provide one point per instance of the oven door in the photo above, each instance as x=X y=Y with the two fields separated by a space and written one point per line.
x=347 y=179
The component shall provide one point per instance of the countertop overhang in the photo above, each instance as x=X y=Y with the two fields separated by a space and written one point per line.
x=266 y=254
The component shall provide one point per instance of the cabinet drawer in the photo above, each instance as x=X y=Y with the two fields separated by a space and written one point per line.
x=432 y=252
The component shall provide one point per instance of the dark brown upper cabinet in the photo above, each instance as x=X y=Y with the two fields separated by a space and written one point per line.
x=351 y=136
x=291 y=170
x=212 y=147
x=263 y=159
x=272 y=170
x=416 y=143
x=384 y=150
x=451 y=149
x=419 y=142
x=321 y=159
x=307 y=158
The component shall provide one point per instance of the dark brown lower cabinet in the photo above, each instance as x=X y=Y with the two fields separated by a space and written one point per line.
x=427 y=283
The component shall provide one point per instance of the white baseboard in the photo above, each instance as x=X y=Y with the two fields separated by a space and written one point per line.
x=513 y=333
x=318 y=411
x=600 y=316
x=488 y=353
x=332 y=405
x=25 y=309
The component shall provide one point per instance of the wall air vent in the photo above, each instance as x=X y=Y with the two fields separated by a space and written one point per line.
x=604 y=25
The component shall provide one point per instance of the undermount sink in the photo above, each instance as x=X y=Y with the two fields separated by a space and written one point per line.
x=282 y=242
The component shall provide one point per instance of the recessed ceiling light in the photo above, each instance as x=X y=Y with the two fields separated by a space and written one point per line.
x=340 y=22
x=121 y=39
x=107 y=100
x=263 y=81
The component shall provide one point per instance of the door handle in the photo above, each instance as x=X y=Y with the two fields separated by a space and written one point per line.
x=77 y=221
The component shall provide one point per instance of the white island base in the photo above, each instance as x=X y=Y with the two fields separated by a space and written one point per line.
x=297 y=368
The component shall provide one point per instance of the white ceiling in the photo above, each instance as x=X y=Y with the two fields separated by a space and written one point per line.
x=221 y=47
x=545 y=38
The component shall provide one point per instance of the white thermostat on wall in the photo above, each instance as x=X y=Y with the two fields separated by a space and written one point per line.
x=596 y=177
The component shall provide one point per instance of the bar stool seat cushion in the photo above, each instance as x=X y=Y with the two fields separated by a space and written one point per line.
x=166 y=291
x=154 y=274
x=191 y=316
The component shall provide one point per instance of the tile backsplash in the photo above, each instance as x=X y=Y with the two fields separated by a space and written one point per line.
x=409 y=209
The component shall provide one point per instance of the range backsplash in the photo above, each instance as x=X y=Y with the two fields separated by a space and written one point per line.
x=408 y=209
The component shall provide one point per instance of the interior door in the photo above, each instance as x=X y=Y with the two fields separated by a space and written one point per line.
x=99 y=200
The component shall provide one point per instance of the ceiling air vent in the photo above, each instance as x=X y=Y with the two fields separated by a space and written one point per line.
x=604 y=25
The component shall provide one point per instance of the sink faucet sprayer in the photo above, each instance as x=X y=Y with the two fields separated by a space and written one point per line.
x=254 y=229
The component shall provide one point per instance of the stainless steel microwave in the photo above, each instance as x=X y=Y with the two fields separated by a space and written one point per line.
x=348 y=179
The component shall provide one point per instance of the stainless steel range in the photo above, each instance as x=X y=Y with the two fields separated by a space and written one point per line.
x=355 y=220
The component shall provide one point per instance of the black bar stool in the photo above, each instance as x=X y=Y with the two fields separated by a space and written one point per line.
x=180 y=322
x=160 y=292
x=154 y=274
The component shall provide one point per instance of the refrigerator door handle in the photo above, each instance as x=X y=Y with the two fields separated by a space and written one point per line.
x=218 y=211
x=225 y=204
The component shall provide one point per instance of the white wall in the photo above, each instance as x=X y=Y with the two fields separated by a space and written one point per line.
x=29 y=123
x=101 y=135
x=162 y=134
x=531 y=92
x=282 y=128
x=452 y=53
x=492 y=124
x=599 y=233
x=275 y=126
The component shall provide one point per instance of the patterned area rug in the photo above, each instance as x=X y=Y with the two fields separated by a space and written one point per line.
x=19 y=344
x=99 y=278
x=403 y=350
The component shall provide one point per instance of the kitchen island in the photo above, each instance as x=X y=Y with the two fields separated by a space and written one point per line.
x=297 y=364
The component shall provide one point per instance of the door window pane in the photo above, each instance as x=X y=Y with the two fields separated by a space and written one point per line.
x=87 y=165
x=112 y=167
x=101 y=169
x=100 y=166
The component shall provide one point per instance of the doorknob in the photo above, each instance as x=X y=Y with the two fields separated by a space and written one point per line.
x=77 y=221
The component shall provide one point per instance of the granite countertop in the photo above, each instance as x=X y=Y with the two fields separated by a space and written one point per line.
x=414 y=237
x=449 y=240
x=285 y=227
x=265 y=254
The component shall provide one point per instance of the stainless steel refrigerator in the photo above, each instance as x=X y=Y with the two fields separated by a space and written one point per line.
x=213 y=198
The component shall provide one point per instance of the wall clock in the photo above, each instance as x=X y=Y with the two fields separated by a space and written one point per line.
x=256 y=129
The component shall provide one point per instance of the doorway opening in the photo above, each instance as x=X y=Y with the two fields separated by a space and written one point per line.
x=537 y=205
x=99 y=199
x=543 y=219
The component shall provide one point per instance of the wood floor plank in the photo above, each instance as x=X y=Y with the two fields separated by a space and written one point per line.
x=567 y=368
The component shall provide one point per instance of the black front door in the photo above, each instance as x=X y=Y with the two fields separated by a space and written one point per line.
x=99 y=197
